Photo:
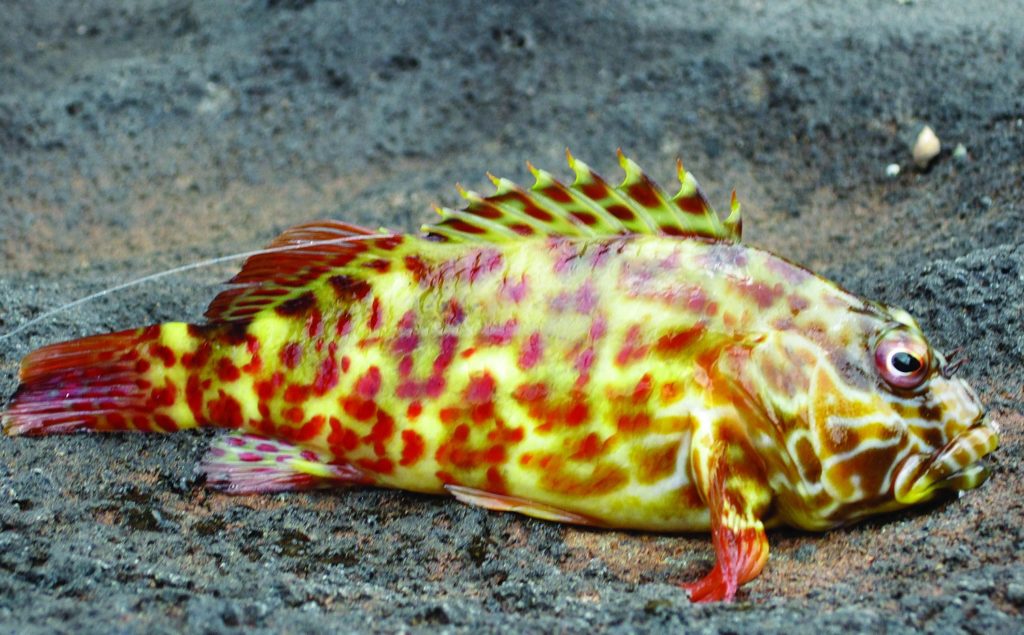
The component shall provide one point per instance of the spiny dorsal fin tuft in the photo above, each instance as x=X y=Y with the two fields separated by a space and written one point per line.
x=589 y=207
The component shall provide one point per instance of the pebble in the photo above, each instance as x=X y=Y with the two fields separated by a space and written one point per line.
x=892 y=170
x=926 y=147
x=960 y=154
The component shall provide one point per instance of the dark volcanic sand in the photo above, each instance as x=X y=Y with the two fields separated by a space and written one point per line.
x=139 y=135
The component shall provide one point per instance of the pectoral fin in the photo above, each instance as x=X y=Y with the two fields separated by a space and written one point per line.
x=741 y=545
x=503 y=503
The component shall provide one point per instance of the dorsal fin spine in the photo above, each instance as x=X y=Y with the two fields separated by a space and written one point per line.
x=544 y=180
x=734 y=222
x=586 y=176
x=633 y=175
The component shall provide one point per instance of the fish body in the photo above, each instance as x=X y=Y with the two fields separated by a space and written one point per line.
x=586 y=354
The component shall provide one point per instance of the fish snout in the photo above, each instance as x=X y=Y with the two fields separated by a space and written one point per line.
x=956 y=466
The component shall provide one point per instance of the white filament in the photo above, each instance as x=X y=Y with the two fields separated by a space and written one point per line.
x=183 y=268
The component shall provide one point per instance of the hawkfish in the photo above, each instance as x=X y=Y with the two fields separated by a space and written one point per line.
x=587 y=354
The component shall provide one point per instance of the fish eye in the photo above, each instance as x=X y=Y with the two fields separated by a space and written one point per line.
x=902 y=360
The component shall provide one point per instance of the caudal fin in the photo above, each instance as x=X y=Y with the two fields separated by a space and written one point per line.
x=108 y=382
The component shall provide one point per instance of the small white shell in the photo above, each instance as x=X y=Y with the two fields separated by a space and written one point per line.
x=926 y=147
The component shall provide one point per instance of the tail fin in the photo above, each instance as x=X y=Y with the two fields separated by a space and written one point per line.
x=121 y=381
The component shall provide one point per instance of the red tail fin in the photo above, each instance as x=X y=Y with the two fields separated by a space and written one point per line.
x=105 y=382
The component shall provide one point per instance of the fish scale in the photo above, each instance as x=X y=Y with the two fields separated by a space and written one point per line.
x=590 y=354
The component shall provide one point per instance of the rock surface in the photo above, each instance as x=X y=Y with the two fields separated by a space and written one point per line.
x=144 y=134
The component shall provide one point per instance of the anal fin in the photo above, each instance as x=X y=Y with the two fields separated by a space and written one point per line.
x=504 y=503
x=248 y=464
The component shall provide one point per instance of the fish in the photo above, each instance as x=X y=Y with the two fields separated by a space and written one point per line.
x=599 y=355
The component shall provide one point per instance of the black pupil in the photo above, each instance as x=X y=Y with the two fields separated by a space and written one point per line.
x=905 y=362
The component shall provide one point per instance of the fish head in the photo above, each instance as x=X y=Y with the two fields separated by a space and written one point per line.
x=873 y=419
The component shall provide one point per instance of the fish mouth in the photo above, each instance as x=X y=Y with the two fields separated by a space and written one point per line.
x=957 y=466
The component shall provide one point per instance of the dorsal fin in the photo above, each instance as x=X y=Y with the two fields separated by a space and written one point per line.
x=293 y=261
x=589 y=207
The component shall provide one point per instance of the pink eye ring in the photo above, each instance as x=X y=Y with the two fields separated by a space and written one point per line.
x=902 y=361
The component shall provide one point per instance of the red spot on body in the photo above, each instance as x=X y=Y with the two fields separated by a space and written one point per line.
x=379 y=265
x=381 y=465
x=315 y=323
x=527 y=393
x=295 y=414
x=326 y=376
x=634 y=423
x=194 y=398
x=494 y=454
x=165 y=396
x=461 y=434
x=250 y=457
x=142 y=366
x=346 y=363
x=412 y=447
x=632 y=349
x=577 y=413
x=227 y=371
x=798 y=303
x=369 y=384
x=417 y=267
x=765 y=295
x=677 y=341
x=643 y=389
x=494 y=481
x=375 y=315
x=265 y=389
x=481 y=388
x=307 y=432
x=359 y=409
x=164 y=354
x=341 y=439
x=199 y=357
x=414 y=410
x=521 y=229
x=348 y=288
x=344 y=325
x=531 y=352
x=296 y=306
x=588 y=448
x=498 y=334
x=434 y=386
x=486 y=261
x=383 y=430
x=405 y=343
x=291 y=354
x=446 y=354
x=454 y=315
x=225 y=411
x=513 y=291
x=165 y=422
x=296 y=393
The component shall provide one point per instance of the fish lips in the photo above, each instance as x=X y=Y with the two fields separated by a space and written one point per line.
x=957 y=466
